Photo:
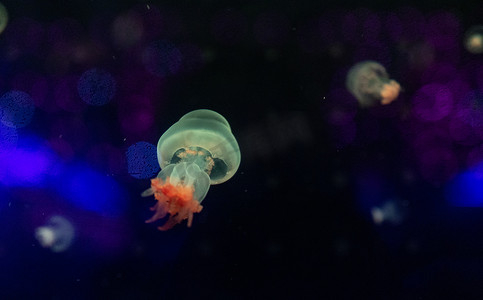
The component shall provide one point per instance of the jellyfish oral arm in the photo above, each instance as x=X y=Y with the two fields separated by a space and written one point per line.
x=177 y=201
x=389 y=92
x=178 y=189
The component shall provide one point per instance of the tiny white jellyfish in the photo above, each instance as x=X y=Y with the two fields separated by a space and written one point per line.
x=57 y=234
x=474 y=39
x=391 y=211
x=370 y=84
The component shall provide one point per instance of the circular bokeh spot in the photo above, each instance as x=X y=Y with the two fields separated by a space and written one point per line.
x=96 y=87
x=16 y=109
x=142 y=162
x=474 y=39
x=432 y=102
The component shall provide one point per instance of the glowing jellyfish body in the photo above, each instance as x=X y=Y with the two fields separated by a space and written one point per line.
x=197 y=151
x=369 y=82
x=474 y=39
x=57 y=234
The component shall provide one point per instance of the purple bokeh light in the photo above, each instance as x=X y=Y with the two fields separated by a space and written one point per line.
x=432 y=102
x=136 y=113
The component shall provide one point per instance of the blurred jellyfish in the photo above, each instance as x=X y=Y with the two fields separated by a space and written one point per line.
x=195 y=152
x=96 y=87
x=3 y=17
x=57 y=234
x=392 y=211
x=16 y=109
x=474 y=39
x=369 y=82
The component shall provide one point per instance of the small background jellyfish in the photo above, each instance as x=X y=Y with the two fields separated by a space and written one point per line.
x=474 y=39
x=3 y=18
x=195 y=152
x=369 y=82
x=57 y=234
x=391 y=211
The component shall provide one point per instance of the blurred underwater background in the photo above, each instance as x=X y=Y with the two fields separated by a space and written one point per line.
x=331 y=200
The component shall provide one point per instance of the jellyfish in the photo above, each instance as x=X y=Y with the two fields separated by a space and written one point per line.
x=57 y=234
x=3 y=17
x=392 y=211
x=474 y=39
x=197 y=151
x=369 y=82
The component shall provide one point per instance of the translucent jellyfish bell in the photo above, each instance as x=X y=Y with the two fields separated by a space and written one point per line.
x=195 y=152
x=57 y=234
x=369 y=82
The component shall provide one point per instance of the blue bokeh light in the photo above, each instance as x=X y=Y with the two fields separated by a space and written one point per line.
x=142 y=161
x=466 y=190
x=29 y=164
x=16 y=109
x=91 y=190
